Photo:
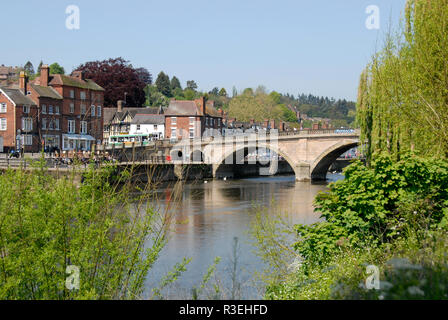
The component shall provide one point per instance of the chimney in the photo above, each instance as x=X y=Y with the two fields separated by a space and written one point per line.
x=78 y=74
x=202 y=103
x=23 y=82
x=44 y=75
x=120 y=104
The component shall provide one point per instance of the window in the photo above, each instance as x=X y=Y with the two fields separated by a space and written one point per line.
x=3 y=124
x=138 y=127
x=98 y=111
x=50 y=109
x=26 y=109
x=44 y=123
x=56 y=109
x=27 y=124
x=44 y=109
x=72 y=94
x=56 y=124
x=3 y=107
x=83 y=127
x=206 y=121
x=71 y=126
x=83 y=108
x=92 y=109
x=155 y=127
x=83 y=95
x=191 y=132
x=27 y=140
x=72 y=108
x=173 y=133
x=173 y=120
x=191 y=121
x=51 y=124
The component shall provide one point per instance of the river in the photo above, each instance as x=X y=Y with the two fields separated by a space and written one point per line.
x=210 y=215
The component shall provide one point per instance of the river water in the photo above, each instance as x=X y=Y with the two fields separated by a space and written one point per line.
x=208 y=218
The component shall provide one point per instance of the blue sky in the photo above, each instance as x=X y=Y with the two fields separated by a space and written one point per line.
x=318 y=46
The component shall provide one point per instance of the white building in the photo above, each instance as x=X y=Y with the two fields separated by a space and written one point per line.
x=148 y=124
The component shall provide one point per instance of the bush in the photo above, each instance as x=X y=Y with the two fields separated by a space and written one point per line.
x=375 y=205
x=48 y=224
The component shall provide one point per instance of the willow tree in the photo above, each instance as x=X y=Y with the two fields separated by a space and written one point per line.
x=403 y=93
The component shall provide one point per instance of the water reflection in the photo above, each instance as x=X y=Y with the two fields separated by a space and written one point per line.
x=209 y=215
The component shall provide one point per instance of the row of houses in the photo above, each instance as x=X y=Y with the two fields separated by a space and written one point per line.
x=67 y=113
x=181 y=119
x=53 y=111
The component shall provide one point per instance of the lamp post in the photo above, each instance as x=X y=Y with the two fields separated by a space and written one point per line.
x=19 y=142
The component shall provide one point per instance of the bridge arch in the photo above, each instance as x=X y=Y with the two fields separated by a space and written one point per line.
x=220 y=161
x=322 y=163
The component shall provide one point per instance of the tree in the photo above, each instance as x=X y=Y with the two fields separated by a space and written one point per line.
x=175 y=84
x=189 y=94
x=214 y=91
x=55 y=68
x=259 y=107
x=39 y=67
x=116 y=76
x=28 y=68
x=163 y=84
x=155 y=98
x=223 y=92
x=234 y=92
x=144 y=75
x=191 y=84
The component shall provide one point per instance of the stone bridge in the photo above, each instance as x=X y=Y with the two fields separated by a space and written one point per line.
x=309 y=153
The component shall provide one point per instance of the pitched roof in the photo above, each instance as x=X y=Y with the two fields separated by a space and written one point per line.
x=61 y=79
x=108 y=114
x=47 y=92
x=189 y=108
x=17 y=96
x=148 y=119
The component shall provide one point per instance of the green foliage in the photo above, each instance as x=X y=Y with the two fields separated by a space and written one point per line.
x=55 y=68
x=175 y=84
x=29 y=69
x=171 y=277
x=47 y=224
x=368 y=207
x=154 y=97
x=191 y=84
x=163 y=84
x=403 y=92
x=189 y=94
x=223 y=92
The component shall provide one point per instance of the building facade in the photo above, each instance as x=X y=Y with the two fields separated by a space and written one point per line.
x=148 y=124
x=66 y=111
x=192 y=119
x=18 y=121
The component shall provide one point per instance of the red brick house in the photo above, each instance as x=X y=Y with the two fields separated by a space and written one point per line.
x=192 y=119
x=79 y=103
x=18 y=112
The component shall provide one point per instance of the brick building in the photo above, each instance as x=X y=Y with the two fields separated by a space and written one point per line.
x=18 y=112
x=67 y=111
x=192 y=119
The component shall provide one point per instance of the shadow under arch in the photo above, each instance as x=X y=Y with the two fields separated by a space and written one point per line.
x=224 y=161
x=320 y=166
x=197 y=156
